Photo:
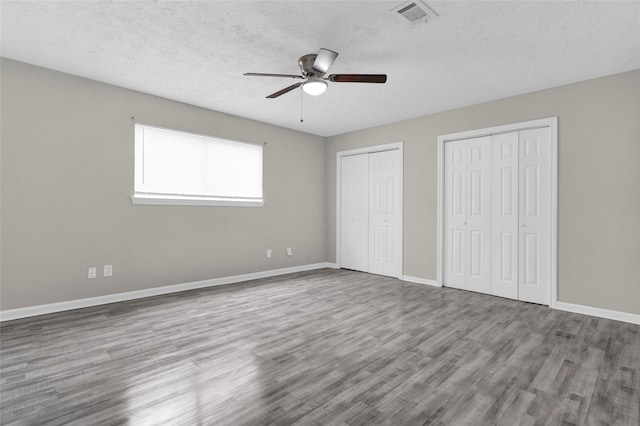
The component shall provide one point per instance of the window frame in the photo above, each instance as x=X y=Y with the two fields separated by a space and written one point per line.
x=166 y=199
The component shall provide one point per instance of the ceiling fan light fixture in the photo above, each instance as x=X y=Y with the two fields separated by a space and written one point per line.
x=314 y=87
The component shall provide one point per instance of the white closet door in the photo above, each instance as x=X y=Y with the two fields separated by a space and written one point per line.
x=384 y=208
x=468 y=214
x=355 y=212
x=497 y=235
x=455 y=241
x=479 y=214
x=504 y=211
x=535 y=215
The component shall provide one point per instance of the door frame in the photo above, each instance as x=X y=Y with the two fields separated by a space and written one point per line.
x=552 y=123
x=369 y=150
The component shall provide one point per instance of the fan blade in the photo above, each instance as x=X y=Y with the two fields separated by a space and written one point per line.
x=358 y=78
x=323 y=61
x=261 y=74
x=283 y=91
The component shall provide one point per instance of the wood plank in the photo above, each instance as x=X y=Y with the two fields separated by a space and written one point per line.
x=317 y=348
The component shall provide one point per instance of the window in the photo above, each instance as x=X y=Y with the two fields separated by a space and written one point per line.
x=173 y=167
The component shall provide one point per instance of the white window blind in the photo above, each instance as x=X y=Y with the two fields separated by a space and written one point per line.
x=173 y=167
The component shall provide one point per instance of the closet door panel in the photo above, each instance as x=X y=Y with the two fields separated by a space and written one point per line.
x=504 y=212
x=355 y=212
x=455 y=241
x=384 y=217
x=535 y=215
x=478 y=222
x=347 y=220
x=376 y=214
x=392 y=220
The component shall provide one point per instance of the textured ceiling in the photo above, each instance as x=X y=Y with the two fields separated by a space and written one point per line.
x=197 y=51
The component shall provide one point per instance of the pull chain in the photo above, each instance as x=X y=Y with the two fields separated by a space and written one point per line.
x=301 y=106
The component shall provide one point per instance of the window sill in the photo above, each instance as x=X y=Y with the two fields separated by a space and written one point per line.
x=170 y=200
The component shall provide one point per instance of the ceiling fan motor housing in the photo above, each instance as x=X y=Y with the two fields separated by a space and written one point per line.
x=306 y=64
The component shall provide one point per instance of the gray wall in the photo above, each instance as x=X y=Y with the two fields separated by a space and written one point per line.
x=67 y=175
x=598 y=173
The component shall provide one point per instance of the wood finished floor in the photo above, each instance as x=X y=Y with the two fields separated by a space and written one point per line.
x=327 y=347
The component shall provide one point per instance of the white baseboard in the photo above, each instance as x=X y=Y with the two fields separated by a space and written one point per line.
x=11 y=314
x=31 y=311
x=420 y=280
x=598 y=312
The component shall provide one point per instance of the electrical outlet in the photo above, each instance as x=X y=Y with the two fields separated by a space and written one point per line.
x=92 y=273
x=268 y=253
x=108 y=270
x=289 y=252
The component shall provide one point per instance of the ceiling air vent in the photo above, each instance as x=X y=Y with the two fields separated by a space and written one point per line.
x=415 y=11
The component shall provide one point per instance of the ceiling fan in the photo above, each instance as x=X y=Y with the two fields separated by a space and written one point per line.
x=313 y=67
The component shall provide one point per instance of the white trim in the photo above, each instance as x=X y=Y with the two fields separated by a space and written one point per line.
x=598 y=312
x=554 y=211
x=368 y=150
x=552 y=123
x=417 y=280
x=440 y=214
x=338 y=210
x=30 y=311
x=496 y=130
x=183 y=200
